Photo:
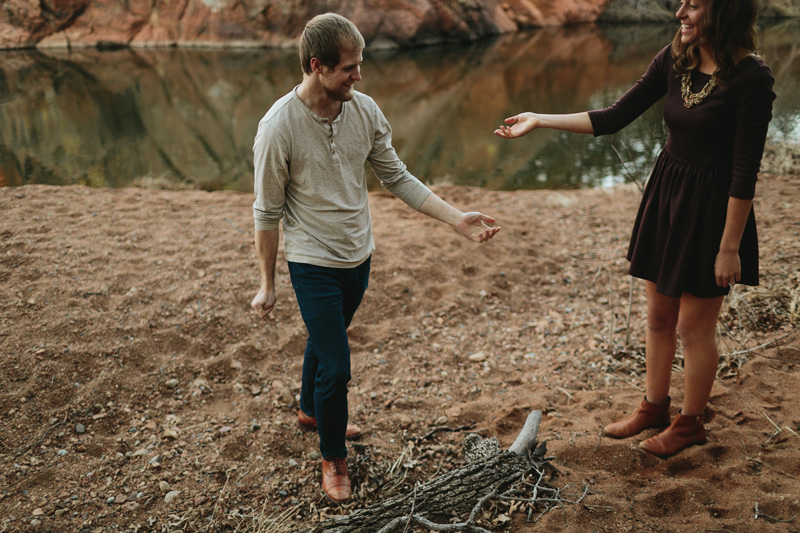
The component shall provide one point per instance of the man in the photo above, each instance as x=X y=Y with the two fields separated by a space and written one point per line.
x=309 y=152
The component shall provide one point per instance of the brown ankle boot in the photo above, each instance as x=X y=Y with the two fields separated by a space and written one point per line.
x=335 y=481
x=647 y=415
x=684 y=431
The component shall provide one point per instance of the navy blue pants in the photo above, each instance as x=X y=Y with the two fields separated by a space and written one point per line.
x=328 y=299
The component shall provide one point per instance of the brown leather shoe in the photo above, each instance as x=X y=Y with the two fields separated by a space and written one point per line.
x=684 y=431
x=335 y=482
x=309 y=422
x=647 y=415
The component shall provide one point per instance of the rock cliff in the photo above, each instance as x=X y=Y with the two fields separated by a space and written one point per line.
x=384 y=23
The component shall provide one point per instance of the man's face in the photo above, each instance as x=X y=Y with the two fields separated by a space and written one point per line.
x=338 y=82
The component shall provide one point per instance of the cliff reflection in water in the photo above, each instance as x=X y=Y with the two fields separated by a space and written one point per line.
x=112 y=119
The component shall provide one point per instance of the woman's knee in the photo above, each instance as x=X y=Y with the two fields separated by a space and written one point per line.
x=696 y=333
x=661 y=321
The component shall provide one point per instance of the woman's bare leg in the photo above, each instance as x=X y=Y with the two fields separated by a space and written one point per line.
x=697 y=327
x=660 y=342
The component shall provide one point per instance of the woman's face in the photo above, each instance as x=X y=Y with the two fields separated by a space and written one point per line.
x=691 y=14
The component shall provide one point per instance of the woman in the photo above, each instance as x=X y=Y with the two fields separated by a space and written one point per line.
x=695 y=232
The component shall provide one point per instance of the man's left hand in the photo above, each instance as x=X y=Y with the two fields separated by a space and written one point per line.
x=475 y=227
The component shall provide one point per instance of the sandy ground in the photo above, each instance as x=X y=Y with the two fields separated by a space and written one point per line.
x=138 y=391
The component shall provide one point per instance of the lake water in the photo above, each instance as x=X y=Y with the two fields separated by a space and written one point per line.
x=188 y=117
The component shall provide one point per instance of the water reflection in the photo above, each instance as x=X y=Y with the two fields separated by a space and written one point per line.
x=110 y=119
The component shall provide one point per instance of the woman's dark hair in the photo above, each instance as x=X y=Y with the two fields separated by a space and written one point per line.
x=728 y=26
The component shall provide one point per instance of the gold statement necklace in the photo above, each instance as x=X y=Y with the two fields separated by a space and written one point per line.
x=689 y=98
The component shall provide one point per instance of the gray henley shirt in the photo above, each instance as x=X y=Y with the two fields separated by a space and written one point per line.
x=311 y=174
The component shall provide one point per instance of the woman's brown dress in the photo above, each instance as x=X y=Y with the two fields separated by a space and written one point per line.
x=713 y=151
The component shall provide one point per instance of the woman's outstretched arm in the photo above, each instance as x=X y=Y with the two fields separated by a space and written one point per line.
x=521 y=124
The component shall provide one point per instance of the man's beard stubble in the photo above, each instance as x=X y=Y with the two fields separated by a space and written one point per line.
x=339 y=96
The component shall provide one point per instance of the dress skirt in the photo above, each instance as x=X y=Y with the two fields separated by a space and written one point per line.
x=679 y=226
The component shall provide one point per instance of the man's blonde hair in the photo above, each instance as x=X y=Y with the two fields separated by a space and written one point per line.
x=326 y=37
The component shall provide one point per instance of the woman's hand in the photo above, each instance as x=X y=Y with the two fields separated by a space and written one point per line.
x=727 y=268
x=519 y=125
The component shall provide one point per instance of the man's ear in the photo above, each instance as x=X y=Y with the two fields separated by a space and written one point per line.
x=316 y=66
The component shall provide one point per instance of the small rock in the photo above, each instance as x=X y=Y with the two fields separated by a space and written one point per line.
x=140 y=452
x=292 y=462
x=314 y=455
x=62 y=453
x=173 y=420
x=285 y=396
x=120 y=498
x=400 y=403
x=80 y=429
x=201 y=384
x=163 y=486
x=36 y=522
x=255 y=427
x=130 y=506
x=405 y=422
x=170 y=433
x=238 y=388
x=477 y=357
x=38 y=512
x=155 y=460
x=255 y=390
x=110 y=499
x=442 y=420
x=171 y=495
x=172 y=383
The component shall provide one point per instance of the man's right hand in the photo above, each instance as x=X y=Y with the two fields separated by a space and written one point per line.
x=264 y=302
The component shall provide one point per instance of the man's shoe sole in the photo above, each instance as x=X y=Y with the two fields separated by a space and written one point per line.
x=306 y=427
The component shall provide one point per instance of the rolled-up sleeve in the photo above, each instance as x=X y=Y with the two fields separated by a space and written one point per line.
x=753 y=114
x=390 y=170
x=271 y=162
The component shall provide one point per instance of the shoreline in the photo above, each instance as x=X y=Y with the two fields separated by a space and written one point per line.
x=53 y=42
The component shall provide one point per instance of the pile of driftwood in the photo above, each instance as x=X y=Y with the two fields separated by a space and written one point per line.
x=517 y=474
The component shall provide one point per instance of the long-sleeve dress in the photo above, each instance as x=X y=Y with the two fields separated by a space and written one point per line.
x=713 y=152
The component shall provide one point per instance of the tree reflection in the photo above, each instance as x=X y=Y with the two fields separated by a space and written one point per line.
x=188 y=117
